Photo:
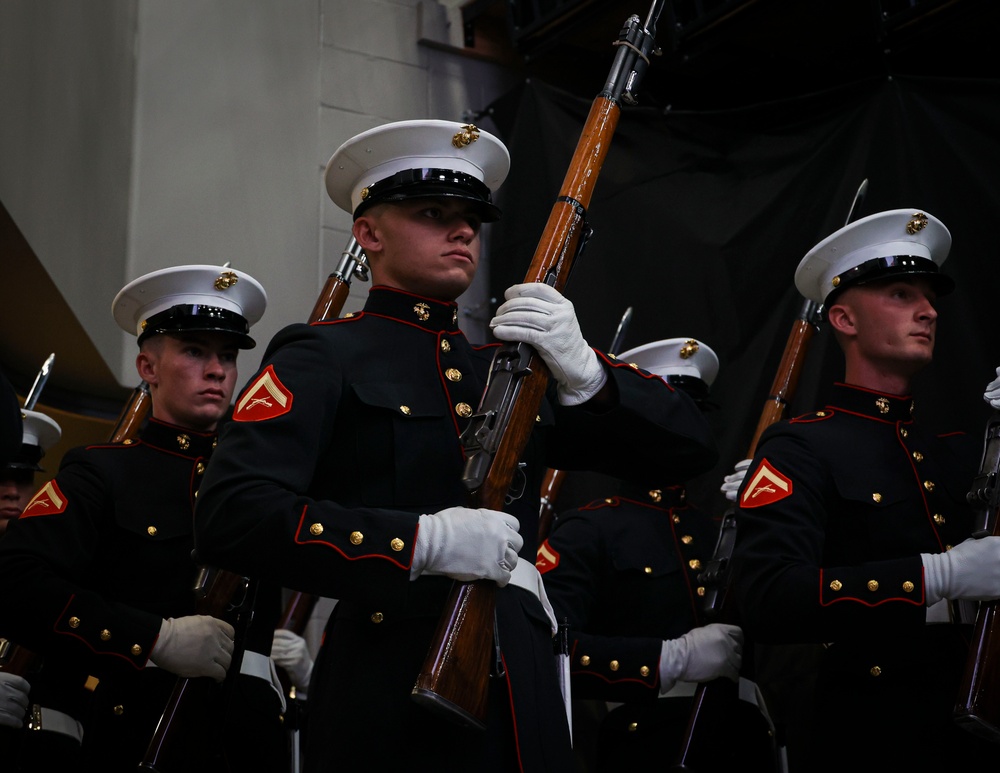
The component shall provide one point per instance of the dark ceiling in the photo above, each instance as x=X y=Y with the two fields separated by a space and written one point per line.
x=718 y=54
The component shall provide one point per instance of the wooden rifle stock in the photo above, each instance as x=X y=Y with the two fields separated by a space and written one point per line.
x=454 y=679
x=977 y=708
x=228 y=596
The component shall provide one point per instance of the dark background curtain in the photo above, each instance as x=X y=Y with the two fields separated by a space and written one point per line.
x=700 y=219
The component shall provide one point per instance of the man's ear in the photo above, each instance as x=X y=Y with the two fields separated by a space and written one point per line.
x=840 y=316
x=146 y=365
x=366 y=233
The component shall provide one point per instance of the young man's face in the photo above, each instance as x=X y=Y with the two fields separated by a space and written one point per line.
x=427 y=246
x=16 y=487
x=894 y=322
x=191 y=377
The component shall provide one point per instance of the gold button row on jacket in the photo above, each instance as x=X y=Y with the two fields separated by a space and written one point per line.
x=614 y=665
x=872 y=585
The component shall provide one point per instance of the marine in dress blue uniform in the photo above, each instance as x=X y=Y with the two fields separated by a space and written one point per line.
x=350 y=432
x=835 y=513
x=102 y=554
x=624 y=571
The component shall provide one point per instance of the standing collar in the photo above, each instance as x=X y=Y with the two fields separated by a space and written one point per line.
x=872 y=403
x=427 y=313
x=179 y=440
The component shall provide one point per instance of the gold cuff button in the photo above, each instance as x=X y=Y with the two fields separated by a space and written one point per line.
x=105 y=634
x=357 y=537
x=396 y=544
x=873 y=585
x=74 y=622
x=136 y=650
x=377 y=617
x=585 y=660
x=151 y=531
x=316 y=529
x=836 y=585
x=908 y=587
x=613 y=665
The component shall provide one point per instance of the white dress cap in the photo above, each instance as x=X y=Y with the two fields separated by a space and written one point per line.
x=409 y=159
x=886 y=244
x=38 y=435
x=191 y=298
x=685 y=357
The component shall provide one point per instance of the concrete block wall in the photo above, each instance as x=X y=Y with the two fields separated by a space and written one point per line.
x=140 y=134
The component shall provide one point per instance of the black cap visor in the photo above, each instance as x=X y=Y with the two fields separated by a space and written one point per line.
x=890 y=267
x=196 y=317
x=429 y=183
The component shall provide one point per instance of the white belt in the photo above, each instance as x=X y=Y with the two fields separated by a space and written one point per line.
x=526 y=576
x=52 y=721
x=261 y=666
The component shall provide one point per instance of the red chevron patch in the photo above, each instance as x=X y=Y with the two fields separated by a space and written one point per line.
x=546 y=559
x=48 y=501
x=266 y=398
x=766 y=486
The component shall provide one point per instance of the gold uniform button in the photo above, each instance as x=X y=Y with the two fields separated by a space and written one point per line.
x=445 y=345
x=701 y=590
x=939 y=519
x=873 y=585
x=396 y=544
x=377 y=617
x=151 y=531
x=200 y=468
x=609 y=501
x=74 y=622
x=875 y=671
x=647 y=569
x=405 y=410
x=316 y=529
x=585 y=660
x=118 y=710
x=656 y=495
x=929 y=485
x=453 y=374
x=836 y=585
x=357 y=538
x=644 y=670
x=105 y=634
x=633 y=726
x=464 y=410
x=876 y=497
x=675 y=518
x=821 y=414
x=613 y=665
x=694 y=563
x=127 y=442
x=183 y=442
x=136 y=650
x=918 y=456
x=903 y=432
x=908 y=587
x=687 y=539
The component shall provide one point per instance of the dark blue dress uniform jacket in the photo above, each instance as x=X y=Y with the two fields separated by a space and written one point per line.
x=624 y=572
x=99 y=557
x=348 y=433
x=834 y=512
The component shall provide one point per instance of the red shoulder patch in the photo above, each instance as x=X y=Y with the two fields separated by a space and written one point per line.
x=766 y=486
x=546 y=559
x=48 y=501
x=266 y=398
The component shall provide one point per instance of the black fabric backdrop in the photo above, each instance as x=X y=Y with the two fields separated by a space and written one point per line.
x=700 y=220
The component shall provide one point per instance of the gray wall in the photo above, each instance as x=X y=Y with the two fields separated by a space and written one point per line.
x=139 y=134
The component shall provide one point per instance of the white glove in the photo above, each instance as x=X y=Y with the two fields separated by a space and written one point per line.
x=970 y=570
x=541 y=316
x=702 y=654
x=13 y=700
x=196 y=645
x=732 y=482
x=992 y=393
x=467 y=544
x=289 y=651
